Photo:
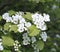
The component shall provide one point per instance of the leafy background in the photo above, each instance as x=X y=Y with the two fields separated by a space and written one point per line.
x=52 y=7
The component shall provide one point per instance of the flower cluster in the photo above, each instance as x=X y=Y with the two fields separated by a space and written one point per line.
x=18 y=20
x=40 y=20
x=26 y=39
x=1 y=47
x=16 y=45
x=38 y=23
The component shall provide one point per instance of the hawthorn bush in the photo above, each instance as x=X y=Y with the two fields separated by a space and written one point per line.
x=30 y=26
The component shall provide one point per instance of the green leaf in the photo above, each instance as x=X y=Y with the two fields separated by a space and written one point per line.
x=11 y=12
x=40 y=45
x=6 y=26
x=6 y=50
x=33 y=31
x=28 y=16
x=13 y=28
x=0 y=18
x=7 y=41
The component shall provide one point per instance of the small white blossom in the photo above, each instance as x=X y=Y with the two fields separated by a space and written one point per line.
x=1 y=47
x=27 y=24
x=44 y=36
x=0 y=43
x=46 y=17
x=21 y=19
x=33 y=39
x=9 y=19
x=25 y=42
x=20 y=27
x=57 y=35
x=16 y=49
x=5 y=16
x=26 y=39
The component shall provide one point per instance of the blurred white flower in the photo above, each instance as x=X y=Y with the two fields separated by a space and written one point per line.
x=21 y=19
x=1 y=47
x=57 y=35
x=5 y=16
x=16 y=49
x=0 y=43
x=25 y=42
x=20 y=27
x=9 y=19
x=27 y=24
x=33 y=39
x=15 y=19
x=26 y=39
x=46 y=17
x=44 y=36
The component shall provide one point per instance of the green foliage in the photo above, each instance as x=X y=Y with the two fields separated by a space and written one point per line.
x=28 y=16
x=10 y=27
x=40 y=45
x=6 y=51
x=43 y=1
x=13 y=28
x=11 y=12
x=33 y=31
x=7 y=41
x=0 y=18
x=6 y=26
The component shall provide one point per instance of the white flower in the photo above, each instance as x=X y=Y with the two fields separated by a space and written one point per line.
x=1 y=47
x=41 y=26
x=26 y=39
x=41 y=19
x=9 y=19
x=25 y=42
x=19 y=45
x=0 y=43
x=46 y=17
x=44 y=36
x=16 y=49
x=37 y=17
x=20 y=27
x=57 y=35
x=5 y=16
x=21 y=19
x=27 y=24
x=15 y=19
x=33 y=39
